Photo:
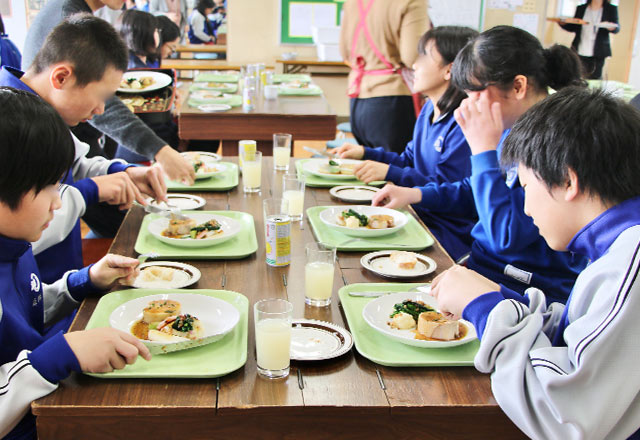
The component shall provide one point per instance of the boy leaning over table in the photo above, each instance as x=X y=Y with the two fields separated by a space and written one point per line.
x=568 y=372
x=80 y=66
x=36 y=353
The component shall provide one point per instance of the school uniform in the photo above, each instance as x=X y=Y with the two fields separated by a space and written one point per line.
x=507 y=247
x=9 y=53
x=200 y=29
x=60 y=247
x=437 y=153
x=570 y=372
x=35 y=356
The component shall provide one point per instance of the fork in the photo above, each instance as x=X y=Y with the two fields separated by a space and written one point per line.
x=362 y=240
x=143 y=257
x=322 y=153
x=173 y=212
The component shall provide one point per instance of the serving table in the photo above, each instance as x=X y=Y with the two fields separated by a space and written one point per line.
x=348 y=397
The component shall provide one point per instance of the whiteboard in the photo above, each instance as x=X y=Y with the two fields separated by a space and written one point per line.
x=468 y=13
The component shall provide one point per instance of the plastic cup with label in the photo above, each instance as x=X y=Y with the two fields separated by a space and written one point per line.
x=245 y=145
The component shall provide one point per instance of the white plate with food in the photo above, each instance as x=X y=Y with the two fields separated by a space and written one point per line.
x=212 y=108
x=334 y=169
x=143 y=81
x=206 y=155
x=199 y=230
x=183 y=202
x=364 y=221
x=398 y=264
x=171 y=322
x=166 y=275
x=416 y=321
x=354 y=193
x=313 y=340
x=203 y=95
x=205 y=166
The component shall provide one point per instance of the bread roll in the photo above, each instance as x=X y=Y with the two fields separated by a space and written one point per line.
x=403 y=259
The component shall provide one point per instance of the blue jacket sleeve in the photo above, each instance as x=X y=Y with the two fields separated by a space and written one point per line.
x=88 y=189
x=500 y=208
x=453 y=198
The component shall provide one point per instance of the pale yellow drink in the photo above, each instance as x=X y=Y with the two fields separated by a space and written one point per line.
x=245 y=145
x=281 y=157
x=251 y=175
x=273 y=343
x=296 y=202
x=318 y=280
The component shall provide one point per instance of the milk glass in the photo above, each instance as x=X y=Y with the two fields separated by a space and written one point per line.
x=293 y=192
x=272 y=319
x=281 y=151
x=251 y=171
x=318 y=275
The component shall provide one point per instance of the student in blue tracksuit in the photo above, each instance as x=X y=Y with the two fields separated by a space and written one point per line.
x=201 y=30
x=36 y=353
x=9 y=53
x=505 y=71
x=438 y=151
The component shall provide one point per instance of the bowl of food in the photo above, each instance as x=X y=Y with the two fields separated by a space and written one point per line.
x=364 y=221
x=175 y=321
x=197 y=230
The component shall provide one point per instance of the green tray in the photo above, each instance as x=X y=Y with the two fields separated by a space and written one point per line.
x=233 y=101
x=224 y=182
x=230 y=88
x=240 y=246
x=218 y=77
x=212 y=360
x=385 y=351
x=413 y=237
x=320 y=182
x=288 y=77
x=315 y=91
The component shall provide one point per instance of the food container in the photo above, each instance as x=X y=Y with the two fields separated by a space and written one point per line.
x=153 y=107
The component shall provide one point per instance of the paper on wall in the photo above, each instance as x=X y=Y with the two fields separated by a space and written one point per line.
x=511 y=5
x=456 y=13
x=303 y=16
x=527 y=22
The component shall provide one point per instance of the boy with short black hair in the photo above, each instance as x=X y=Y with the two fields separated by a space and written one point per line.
x=36 y=354
x=565 y=372
x=78 y=68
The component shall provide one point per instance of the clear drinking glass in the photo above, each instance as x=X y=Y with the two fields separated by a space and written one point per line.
x=251 y=171
x=281 y=151
x=273 y=337
x=243 y=146
x=293 y=192
x=318 y=275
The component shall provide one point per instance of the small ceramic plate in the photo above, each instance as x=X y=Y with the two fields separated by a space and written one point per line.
x=184 y=202
x=210 y=108
x=208 y=156
x=213 y=169
x=330 y=217
x=230 y=228
x=183 y=275
x=380 y=263
x=376 y=314
x=313 y=340
x=354 y=193
x=204 y=95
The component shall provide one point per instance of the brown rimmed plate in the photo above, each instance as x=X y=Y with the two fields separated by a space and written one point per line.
x=313 y=340
x=184 y=275
x=354 y=193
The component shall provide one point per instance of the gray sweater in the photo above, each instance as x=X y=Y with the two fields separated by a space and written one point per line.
x=117 y=121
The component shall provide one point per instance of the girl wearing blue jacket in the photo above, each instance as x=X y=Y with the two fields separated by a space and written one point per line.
x=505 y=71
x=438 y=151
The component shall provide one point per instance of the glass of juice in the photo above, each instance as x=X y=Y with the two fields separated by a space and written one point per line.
x=281 y=151
x=251 y=171
x=245 y=145
x=272 y=319
x=293 y=192
x=318 y=275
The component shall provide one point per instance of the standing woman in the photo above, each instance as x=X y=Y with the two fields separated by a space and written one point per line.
x=592 y=38
x=378 y=40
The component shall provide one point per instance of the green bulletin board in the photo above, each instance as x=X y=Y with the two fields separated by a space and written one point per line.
x=306 y=13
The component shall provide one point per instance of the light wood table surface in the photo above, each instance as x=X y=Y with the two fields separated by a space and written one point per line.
x=201 y=48
x=345 y=398
x=185 y=64
x=300 y=66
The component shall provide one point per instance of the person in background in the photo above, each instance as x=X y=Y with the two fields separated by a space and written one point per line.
x=565 y=372
x=169 y=40
x=438 y=152
x=9 y=53
x=139 y=30
x=201 y=30
x=37 y=351
x=117 y=121
x=379 y=43
x=592 y=38
x=505 y=71
x=176 y=10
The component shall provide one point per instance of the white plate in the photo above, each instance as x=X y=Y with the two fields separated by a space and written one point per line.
x=380 y=263
x=160 y=80
x=313 y=340
x=203 y=95
x=219 y=87
x=218 y=318
x=210 y=108
x=329 y=217
x=376 y=314
x=230 y=228
x=184 y=202
x=354 y=193
x=316 y=167
x=184 y=275
x=218 y=168
x=210 y=157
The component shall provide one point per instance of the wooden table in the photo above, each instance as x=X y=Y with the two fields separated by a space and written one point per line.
x=305 y=117
x=180 y=64
x=202 y=48
x=345 y=398
x=298 y=66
